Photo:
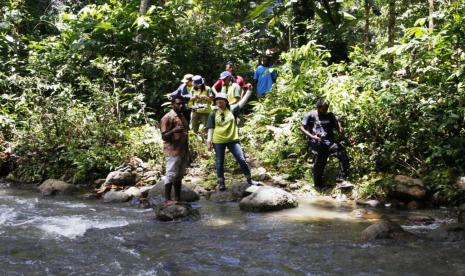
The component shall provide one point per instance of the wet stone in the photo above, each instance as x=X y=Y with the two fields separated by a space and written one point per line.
x=420 y=220
x=53 y=186
x=115 y=197
x=123 y=178
x=268 y=198
x=384 y=230
x=450 y=233
x=176 y=211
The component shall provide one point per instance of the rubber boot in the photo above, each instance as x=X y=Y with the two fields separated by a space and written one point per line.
x=221 y=185
x=250 y=181
x=177 y=191
x=168 y=191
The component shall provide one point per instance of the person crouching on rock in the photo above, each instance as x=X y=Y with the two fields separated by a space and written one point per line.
x=174 y=131
x=319 y=125
x=223 y=133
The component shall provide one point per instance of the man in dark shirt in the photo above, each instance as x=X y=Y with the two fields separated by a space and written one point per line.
x=318 y=125
x=174 y=131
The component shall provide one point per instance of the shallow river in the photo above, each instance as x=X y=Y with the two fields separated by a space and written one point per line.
x=70 y=236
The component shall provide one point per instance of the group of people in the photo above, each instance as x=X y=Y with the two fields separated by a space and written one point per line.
x=217 y=108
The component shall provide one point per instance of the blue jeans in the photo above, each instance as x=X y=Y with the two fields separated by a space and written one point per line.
x=236 y=150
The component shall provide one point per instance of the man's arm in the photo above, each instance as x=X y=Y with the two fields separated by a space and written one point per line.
x=307 y=124
x=167 y=129
x=210 y=126
x=308 y=134
x=216 y=88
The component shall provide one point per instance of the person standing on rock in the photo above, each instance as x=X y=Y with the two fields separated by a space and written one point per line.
x=200 y=103
x=223 y=133
x=174 y=130
x=319 y=125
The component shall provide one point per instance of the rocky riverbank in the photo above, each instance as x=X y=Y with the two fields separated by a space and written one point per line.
x=136 y=183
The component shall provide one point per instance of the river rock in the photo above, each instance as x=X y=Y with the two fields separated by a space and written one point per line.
x=99 y=182
x=460 y=183
x=268 y=198
x=144 y=190
x=280 y=180
x=408 y=187
x=235 y=193
x=414 y=204
x=187 y=194
x=55 y=186
x=115 y=197
x=261 y=174
x=370 y=203
x=133 y=192
x=358 y=213
x=450 y=232
x=121 y=178
x=222 y=196
x=420 y=220
x=175 y=211
x=384 y=230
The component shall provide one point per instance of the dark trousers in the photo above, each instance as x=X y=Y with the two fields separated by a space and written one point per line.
x=322 y=150
x=236 y=150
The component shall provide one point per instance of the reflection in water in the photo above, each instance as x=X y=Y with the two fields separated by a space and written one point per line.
x=321 y=236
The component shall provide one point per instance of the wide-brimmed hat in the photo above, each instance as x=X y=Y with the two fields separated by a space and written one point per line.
x=198 y=80
x=221 y=96
x=187 y=77
x=225 y=74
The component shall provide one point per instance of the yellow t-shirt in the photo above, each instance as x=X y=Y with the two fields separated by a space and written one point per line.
x=224 y=125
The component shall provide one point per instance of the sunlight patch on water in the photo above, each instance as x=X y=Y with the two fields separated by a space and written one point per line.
x=217 y=222
x=76 y=226
x=316 y=210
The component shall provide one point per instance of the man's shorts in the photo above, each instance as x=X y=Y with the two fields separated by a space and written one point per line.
x=175 y=168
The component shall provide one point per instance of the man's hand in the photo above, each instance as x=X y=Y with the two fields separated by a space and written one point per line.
x=178 y=129
x=209 y=145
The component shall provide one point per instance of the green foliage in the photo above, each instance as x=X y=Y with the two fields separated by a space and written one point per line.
x=405 y=118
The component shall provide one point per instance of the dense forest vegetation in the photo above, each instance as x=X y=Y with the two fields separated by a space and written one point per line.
x=82 y=82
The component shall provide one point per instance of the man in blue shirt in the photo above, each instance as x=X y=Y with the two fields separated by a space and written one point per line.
x=264 y=77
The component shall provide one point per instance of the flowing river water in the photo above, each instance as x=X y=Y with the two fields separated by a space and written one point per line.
x=72 y=236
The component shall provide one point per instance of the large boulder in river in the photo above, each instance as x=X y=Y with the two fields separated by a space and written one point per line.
x=54 y=186
x=408 y=188
x=187 y=194
x=175 y=211
x=121 y=178
x=268 y=198
x=116 y=197
x=384 y=230
x=450 y=232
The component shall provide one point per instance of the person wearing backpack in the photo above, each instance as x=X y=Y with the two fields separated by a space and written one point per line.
x=223 y=133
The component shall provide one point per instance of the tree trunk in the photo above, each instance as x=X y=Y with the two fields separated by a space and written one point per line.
x=143 y=8
x=431 y=11
x=391 y=27
x=366 y=31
